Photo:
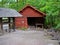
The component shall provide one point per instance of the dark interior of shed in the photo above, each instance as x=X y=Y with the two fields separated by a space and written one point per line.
x=32 y=21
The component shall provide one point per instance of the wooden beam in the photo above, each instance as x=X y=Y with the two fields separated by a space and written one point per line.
x=1 y=26
x=13 y=24
x=9 y=25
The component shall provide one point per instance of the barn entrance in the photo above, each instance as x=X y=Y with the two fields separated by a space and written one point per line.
x=35 y=21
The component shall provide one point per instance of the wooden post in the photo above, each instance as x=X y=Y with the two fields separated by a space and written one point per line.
x=9 y=25
x=13 y=24
x=1 y=28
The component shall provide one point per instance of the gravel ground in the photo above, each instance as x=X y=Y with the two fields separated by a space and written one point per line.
x=26 y=38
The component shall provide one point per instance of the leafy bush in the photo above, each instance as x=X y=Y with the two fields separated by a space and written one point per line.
x=58 y=27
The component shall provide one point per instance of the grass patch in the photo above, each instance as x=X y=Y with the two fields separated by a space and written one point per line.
x=22 y=28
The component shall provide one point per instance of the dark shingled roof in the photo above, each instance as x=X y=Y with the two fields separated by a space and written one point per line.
x=6 y=12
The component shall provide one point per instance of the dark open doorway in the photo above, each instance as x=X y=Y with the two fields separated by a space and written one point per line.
x=32 y=21
x=7 y=24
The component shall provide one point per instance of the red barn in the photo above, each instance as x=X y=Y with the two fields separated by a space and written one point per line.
x=31 y=17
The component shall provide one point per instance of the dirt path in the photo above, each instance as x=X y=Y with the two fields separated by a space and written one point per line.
x=26 y=38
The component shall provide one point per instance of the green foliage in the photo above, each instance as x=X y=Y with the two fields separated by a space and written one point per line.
x=58 y=27
x=52 y=11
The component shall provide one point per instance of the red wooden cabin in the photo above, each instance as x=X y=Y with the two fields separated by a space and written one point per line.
x=31 y=16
